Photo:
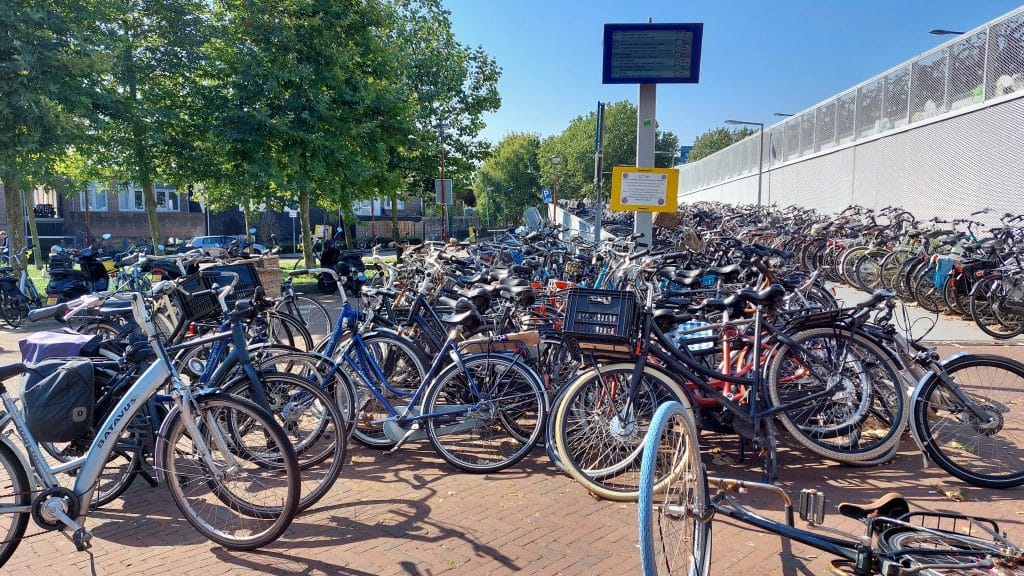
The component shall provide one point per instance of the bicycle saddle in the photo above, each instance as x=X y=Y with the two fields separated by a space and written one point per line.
x=892 y=505
x=373 y=292
x=769 y=294
x=724 y=270
x=465 y=314
x=11 y=370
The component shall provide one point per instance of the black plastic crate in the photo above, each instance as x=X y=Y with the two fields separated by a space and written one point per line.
x=601 y=322
x=206 y=306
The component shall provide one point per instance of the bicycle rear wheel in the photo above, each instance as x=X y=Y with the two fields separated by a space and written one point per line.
x=675 y=530
x=489 y=428
x=989 y=451
x=244 y=502
x=934 y=553
x=311 y=314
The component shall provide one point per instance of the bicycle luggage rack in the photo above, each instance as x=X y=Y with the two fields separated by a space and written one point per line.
x=601 y=323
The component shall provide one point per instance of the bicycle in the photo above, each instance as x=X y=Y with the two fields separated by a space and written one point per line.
x=17 y=296
x=675 y=521
x=196 y=450
x=481 y=412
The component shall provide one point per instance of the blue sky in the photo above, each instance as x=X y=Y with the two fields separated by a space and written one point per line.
x=759 y=57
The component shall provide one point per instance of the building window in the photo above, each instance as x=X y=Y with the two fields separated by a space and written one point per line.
x=131 y=199
x=97 y=196
x=166 y=199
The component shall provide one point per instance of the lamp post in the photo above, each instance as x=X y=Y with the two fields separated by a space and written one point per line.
x=783 y=114
x=441 y=127
x=941 y=32
x=556 y=161
x=760 y=150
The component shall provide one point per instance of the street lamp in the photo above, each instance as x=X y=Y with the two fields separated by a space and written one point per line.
x=441 y=127
x=941 y=32
x=760 y=150
x=783 y=114
x=556 y=161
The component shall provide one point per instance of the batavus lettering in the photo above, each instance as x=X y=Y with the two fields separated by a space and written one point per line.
x=117 y=419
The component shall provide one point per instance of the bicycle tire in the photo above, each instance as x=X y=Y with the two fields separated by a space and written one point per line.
x=617 y=480
x=688 y=484
x=941 y=549
x=20 y=492
x=949 y=446
x=521 y=421
x=329 y=425
x=983 y=312
x=279 y=511
x=369 y=413
x=312 y=314
x=876 y=389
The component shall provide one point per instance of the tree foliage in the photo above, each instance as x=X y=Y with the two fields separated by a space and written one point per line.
x=48 y=70
x=576 y=146
x=714 y=140
x=509 y=180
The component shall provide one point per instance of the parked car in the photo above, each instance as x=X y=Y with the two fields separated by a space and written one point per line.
x=211 y=245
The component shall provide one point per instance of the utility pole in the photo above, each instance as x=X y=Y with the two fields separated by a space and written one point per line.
x=441 y=126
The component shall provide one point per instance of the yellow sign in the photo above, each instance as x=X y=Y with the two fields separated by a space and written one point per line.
x=644 y=189
x=472 y=235
x=322 y=231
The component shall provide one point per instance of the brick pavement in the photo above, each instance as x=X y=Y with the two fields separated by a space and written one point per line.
x=412 y=514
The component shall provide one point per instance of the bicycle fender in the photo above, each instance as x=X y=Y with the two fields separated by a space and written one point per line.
x=165 y=429
x=915 y=397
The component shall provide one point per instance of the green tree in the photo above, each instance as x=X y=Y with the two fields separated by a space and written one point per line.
x=509 y=180
x=309 y=104
x=714 y=140
x=150 y=110
x=576 y=146
x=48 y=69
x=451 y=83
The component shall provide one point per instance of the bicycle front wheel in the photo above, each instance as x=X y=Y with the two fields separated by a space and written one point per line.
x=600 y=430
x=311 y=419
x=246 y=493
x=675 y=531
x=985 y=450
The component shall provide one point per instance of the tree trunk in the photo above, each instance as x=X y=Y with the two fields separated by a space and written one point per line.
x=394 y=226
x=15 y=216
x=346 y=229
x=307 y=236
x=37 y=253
x=247 y=215
x=149 y=198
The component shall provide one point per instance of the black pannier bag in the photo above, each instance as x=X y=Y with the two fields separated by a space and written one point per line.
x=58 y=399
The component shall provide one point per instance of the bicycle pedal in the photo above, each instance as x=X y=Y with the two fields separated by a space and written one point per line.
x=812 y=506
x=82 y=539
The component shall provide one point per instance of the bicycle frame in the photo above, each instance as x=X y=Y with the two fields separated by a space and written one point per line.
x=90 y=466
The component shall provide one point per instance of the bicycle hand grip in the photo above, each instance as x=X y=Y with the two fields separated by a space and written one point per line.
x=48 y=312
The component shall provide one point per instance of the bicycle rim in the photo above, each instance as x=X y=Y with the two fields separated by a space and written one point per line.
x=252 y=504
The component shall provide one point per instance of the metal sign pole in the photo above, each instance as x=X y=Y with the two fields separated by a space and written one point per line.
x=598 y=156
x=645 y=135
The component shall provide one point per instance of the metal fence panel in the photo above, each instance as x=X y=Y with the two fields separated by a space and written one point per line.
x=928 y=78
x=967 y=71
x=1005 y=72
x=869 y=108
x=846 y=110
x=825 y=126
x=896 y=101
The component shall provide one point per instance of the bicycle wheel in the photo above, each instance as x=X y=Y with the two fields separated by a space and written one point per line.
x=280 y=328
x=312 y=368
x=598 y=443
x=14 y=491
x=314 y=425
x=939 y=553
x=403 y=368
x=860 y=408
x=311 y=314
x=490 y=412
x=986 y=452
x=244 y=502
x=926 y=293
x=889 y=267
x=675 y=530
x=984 y=298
